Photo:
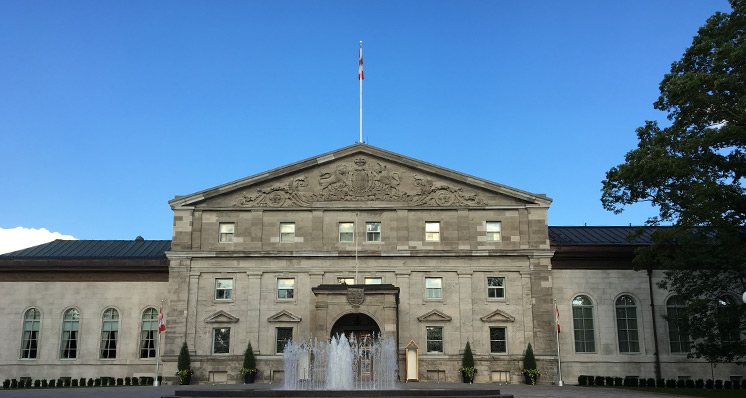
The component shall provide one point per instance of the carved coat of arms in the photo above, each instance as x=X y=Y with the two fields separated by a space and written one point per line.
x=355 y=295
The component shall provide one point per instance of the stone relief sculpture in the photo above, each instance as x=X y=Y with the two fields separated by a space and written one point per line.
x=359 y=181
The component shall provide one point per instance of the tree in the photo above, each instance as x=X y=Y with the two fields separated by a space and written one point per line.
x=694 y=172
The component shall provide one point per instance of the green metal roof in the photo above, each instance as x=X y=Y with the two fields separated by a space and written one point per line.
x=93 y=249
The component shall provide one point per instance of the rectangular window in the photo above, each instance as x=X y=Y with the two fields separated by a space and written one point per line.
x=498 y=342
x=346 y=281
x=494 y=231
x=346 y=232
x=495 y=287
x=373 y=281
x=433 y=288
x=223 y=289
x=221 y=340
x=435 y=339
x=432 y=231
x=287 y=232
x=284 y=335
x=227 y=230
x=373 y=232
x=285 y=288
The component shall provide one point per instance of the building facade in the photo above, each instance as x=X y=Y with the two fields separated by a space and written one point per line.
x=359 y=241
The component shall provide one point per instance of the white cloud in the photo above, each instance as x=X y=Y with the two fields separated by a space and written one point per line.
x=21 y=238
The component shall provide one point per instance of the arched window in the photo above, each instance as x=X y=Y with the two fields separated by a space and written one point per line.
x=148 y=333
x=70 y=326
x=109 y=333
x=678 y=334
x=582 y=317
x=626 y=324
x=728 y=324
x=30 y=340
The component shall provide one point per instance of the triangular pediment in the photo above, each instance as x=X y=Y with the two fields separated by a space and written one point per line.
x=434 y=316
x=221 y=317
x=498 y=316
x=357 y=175
x=284 y=316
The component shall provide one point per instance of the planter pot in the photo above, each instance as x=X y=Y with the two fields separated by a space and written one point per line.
x=466 y=378
x=186 y=380
x=249 y=378
x=527 y=378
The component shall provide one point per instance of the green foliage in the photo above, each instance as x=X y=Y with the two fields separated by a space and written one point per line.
x=249 y=361
x=529 y=361
x=185 y=361
x=694 y=172
x=468 y=359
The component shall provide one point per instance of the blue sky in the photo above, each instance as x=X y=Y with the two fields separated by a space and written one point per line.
x=110 y=109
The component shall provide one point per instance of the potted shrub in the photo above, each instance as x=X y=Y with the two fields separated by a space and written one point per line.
x=249 y=370
x=529 y=371
x=468 y=370
x=184 y=366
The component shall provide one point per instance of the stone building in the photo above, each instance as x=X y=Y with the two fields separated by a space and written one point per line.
x=359 y=241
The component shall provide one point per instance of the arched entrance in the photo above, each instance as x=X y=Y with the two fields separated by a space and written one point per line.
x=360 y=325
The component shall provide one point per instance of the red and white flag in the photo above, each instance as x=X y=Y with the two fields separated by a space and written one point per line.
x=557 y=309
x=161 y=322
x=360 y=70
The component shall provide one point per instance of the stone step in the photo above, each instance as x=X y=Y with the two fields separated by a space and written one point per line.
x=269 y=393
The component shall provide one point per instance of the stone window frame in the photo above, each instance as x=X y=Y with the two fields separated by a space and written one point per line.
x=227 y=236
x=344 y=280
x=371 y=234
x=292 y=290
x=490 y=233
x=214 y=340
x=66 y=352
x=148 y=335
x=583 y=318
x=287 y=236
x=351 y=233
x=279 y=351
x=505 y=340
x=232 y=288
x=106 y=338
x=428 y=340
x=434 y=289
x=496 y=288
x=676 y=329
x=30 y=339
x=370 y=278
x=432 y=231
x=628 y=325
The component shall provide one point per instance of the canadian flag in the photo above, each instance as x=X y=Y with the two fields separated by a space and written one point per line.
x=360 y=70
x=161 y=322
x=557 y=309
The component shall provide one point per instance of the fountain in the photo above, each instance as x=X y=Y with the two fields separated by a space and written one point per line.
x=341 y=364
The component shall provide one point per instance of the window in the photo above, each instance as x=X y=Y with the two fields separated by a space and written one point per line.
x=284 y=335
x=626 y=323
x=582 y=318
x=373 y=232
x=109 y=333
x=70 y=325
x=435 y=339
x=148 y=331
x=494 y=231
x=30 y=340
x=495 y=287
x=346 y=281
x=433 y=288
x=285 y=287
x=432 y=231
x=221 y=340
x=223 y=289
x=287 y=232
x=729 y=327
x=346 y=232
x=226 y=232
x=678 y=334
x=373 y=281
x=498 y=344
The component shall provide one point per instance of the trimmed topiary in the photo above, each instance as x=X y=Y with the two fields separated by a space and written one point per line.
x=699 y=383
x=709 y=384
x=120 y=381
x=52 y=383
x=618 y=381
x=643 y=382
x=718 y=384
x=75 y=382
x=599 y=381
x=81 y=382
x=609 y=381
x=690 y=383
x=127 y=381
x=44 y=383
x=582 y=380
x=670 y=383
x=728 y=385
x=90 y=382
x=681 y=383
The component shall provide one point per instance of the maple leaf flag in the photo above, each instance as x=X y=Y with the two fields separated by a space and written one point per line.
x=161 y=322
x=557 y=309
x=360 y=70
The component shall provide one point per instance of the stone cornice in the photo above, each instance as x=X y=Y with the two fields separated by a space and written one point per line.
x=537 y=253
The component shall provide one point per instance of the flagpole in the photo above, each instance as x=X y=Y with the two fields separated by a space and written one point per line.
x=158 y=355
x=559 y=361
x=360 y=77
